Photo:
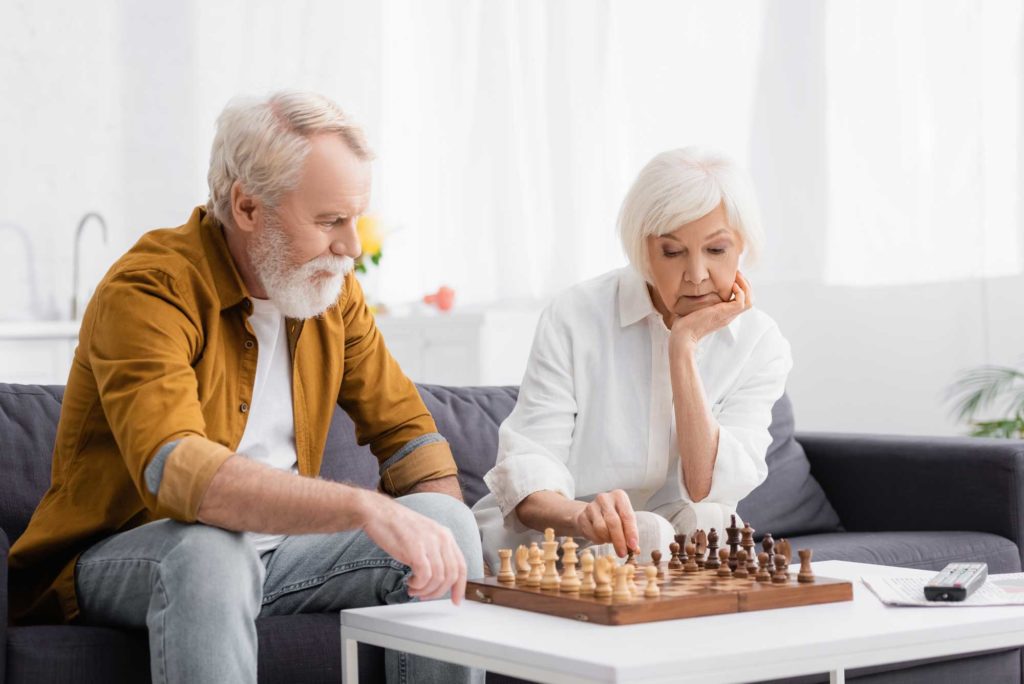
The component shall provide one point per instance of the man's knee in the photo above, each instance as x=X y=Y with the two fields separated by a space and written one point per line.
x=458 y=518
x=213 y=565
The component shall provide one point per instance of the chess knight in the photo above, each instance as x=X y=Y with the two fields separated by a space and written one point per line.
x=645 y=407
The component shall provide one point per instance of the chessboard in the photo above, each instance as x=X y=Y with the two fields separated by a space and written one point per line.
x=696 y=581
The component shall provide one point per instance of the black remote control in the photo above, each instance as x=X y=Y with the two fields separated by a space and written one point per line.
x=956 y=582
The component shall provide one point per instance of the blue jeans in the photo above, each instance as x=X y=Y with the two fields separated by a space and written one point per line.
x=199 y=589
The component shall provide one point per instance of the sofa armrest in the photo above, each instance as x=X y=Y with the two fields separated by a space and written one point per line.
x=888 y=483
x=5 y=548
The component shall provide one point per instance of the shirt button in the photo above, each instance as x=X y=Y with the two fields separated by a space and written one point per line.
x=243 y=407
x=249 y=344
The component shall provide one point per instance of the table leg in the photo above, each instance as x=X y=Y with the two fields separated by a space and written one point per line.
x=837 y=677
x=350 y=659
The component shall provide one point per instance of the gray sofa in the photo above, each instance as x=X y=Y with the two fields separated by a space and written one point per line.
x=911 y=502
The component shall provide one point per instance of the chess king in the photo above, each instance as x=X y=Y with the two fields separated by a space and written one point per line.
x=211 y=359
x=645 y=406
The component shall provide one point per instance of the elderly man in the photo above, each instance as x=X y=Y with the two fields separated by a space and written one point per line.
x=185 y=496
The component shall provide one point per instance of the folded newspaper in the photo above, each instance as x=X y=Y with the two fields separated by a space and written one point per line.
x=998 y=590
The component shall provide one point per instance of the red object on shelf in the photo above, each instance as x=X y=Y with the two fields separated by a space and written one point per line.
x=443 y=299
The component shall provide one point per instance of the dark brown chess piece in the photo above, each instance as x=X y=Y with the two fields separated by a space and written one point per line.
x=691 y=560
x=674 y=563
x=733 y=541
x=747 y=543
x=656 y=562
x=681 y=540
x=712 y=562
x=764 y=573
x=701 y=540
x=741 y=565
x=768 y=544
x=806 y=574
x=781 y=575
x=723 y=563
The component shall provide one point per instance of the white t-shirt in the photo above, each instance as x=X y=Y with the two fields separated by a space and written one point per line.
x=269 y=435
x=595 y=409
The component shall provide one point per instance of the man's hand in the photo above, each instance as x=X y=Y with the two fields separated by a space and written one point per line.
x=609 y=518
x=688 y=330
x=417 y=541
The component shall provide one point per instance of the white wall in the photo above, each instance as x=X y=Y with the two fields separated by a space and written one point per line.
x=109 y=105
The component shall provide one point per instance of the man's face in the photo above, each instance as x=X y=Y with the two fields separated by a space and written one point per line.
x=302 y=249
x=695 y=265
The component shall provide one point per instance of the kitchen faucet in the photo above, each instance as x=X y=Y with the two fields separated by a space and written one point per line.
x=77 y=267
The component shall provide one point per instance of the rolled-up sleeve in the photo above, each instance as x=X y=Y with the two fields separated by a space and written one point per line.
x=744 y=416
x=141 y=350
x=535 y=440
x=388 y=412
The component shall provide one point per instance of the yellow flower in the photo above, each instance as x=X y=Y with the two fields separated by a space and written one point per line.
x=368 y=228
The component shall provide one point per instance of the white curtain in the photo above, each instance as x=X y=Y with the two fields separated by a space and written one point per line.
x=884 y=136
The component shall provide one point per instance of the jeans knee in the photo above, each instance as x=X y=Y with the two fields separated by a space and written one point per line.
x=215 y=566
x=458 y=518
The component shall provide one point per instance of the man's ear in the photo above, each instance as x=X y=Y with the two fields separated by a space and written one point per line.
x=245 y=209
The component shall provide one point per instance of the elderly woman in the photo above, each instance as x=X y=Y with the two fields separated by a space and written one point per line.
x=645 y=406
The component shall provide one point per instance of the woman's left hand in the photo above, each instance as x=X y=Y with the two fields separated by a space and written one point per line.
x=688 y=330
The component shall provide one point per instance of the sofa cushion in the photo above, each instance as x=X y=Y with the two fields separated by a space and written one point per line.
x=28 y=429
x=468 y=417
x=922 y=550
x=790 y=501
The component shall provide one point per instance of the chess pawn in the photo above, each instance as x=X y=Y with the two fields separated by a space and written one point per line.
x=536 y=566
x=751 y=562
x=651 y=590
x=505 y=574
x=741 y=565
x=656 y=562
x=603 y=577
x=683 y=549
x=587 y=584
x=723 y=563
x=768 y=544
x=781 y=575
x=570 y=580
x=805 y=574
x=522 y=564
x=764 y=568
x=747 y=544
x=691 y=560
x=622 y=592
x=712 y=562
x=674 y=563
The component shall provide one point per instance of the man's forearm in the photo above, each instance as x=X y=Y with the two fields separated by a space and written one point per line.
x=248 y=496
x=443 y=485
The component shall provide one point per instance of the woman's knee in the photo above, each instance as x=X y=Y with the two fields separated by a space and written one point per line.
x=655 y=532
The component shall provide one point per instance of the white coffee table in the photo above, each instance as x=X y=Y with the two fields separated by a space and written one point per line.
x=739 y=647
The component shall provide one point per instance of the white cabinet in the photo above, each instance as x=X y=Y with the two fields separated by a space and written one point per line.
x=37 y=353
x=471 y=346
x=484 y=346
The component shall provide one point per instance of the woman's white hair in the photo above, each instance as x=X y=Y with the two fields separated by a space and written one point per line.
x=262 y=142
x=681 y=186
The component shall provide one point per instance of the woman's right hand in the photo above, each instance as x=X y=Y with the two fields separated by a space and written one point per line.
x=609 y=518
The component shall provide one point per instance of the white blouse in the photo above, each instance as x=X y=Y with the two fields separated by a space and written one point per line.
x=595 y=408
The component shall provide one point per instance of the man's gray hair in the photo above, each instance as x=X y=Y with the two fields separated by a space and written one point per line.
x=680 y=186
x=262 y=142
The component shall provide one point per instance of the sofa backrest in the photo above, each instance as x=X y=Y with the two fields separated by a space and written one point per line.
x=789 y=502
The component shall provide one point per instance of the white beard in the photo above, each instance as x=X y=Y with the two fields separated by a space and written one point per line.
x=294 y=290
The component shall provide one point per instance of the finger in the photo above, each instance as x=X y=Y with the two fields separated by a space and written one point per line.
x=628 y=518
x=459 y=587
x=421 y=575
x=451 y=558
x=747 y=290
x=614 y=525
x=437 y=586
x=597 y=524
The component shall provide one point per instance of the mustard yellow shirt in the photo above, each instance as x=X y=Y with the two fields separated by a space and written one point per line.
x=165 y=353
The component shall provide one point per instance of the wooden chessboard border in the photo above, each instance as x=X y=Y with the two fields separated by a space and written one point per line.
x=718 y=598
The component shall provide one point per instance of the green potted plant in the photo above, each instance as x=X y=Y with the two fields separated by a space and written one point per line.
x=995 y=393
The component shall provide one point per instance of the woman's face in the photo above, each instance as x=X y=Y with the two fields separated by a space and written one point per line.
x=694 y=266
